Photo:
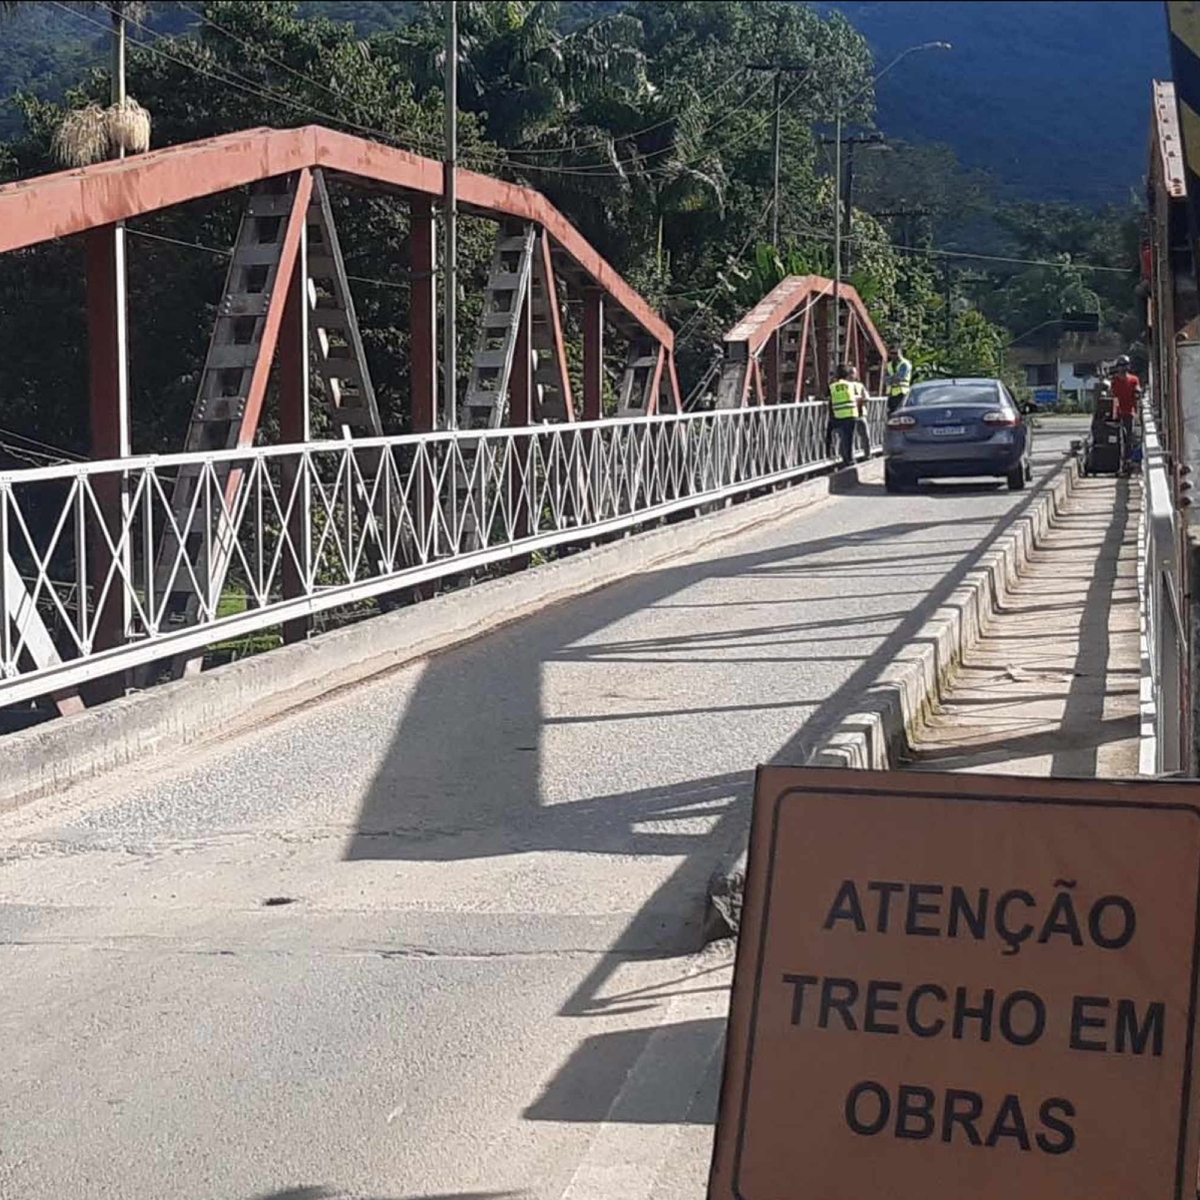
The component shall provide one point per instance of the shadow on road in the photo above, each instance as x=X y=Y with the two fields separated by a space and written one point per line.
x=462 y=778
x=584 y=1089
x=1084 y=709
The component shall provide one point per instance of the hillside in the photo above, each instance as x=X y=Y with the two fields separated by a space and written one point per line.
x=1052 y=98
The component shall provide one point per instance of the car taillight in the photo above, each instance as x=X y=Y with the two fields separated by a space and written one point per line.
x=1000 y=418
x=901 y=422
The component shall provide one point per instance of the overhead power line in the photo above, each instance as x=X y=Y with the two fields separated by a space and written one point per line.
x=686 y=328
x=738 y=73
x=162 y=237
x=32 y=451
x=230 y=78
x=601 y=169
x=1000 y=258
x=487 y=157
x=704 y=97
x=279 y=62
x=942 y=252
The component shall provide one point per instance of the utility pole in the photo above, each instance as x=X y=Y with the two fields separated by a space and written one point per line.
x=775 y=171
x=118 y=56
x=837 y=239
x=848 y=200
x=120 y=300
x=837 y=191
x=778 y=70
x=909 y=217
x=450 y=216
x=847 y=190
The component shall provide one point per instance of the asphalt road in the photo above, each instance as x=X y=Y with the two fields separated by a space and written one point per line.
x=434 y=935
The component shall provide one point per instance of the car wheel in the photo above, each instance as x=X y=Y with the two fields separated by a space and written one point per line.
x=1016 y=478
x=1028 y=471
x=891 y=481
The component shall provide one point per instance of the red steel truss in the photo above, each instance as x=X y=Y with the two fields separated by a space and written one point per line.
x=98 y=196
x=781 y=349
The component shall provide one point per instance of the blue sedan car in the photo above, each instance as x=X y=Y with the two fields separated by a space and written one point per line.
x=957 y=428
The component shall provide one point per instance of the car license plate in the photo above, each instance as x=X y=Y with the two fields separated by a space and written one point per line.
x=948 y=430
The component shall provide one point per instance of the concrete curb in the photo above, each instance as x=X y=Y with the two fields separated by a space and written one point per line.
x=48 y=758
x=879 y=733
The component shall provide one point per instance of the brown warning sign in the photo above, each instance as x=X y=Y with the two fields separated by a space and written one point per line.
x=960 y=985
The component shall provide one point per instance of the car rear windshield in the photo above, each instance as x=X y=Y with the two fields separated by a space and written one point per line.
x=954 y=393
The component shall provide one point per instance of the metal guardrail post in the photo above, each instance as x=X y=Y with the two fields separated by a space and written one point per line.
x=1160 y=616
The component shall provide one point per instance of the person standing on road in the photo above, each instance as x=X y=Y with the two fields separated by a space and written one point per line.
x=899 y=381
x=848 y=399
x=1126 y=391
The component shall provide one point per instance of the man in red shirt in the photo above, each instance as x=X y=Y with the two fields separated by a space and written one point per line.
x=1126 y=390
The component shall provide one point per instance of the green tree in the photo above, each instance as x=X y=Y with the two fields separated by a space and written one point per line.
x=648 y=124
x=519 y=73
x=1107 y=238
x=247 y=65
x=1041 y=294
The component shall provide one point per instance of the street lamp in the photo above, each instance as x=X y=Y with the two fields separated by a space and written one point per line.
x=837 y=188
x=905 y=53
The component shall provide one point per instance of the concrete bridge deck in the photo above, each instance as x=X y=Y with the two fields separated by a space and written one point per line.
x=436 y=934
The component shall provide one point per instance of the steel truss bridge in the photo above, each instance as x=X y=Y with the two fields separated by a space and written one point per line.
x=118 y=565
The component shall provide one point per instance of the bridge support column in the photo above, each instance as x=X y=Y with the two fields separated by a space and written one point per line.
x=593 y=354
x=423 y=319
x=423 y=357
x=771 y=370
x=521 y=489
x=593 y=387
x=110 y=434
x=295 y=427
x=824 y=349
x=802 y=358
x=676 y=395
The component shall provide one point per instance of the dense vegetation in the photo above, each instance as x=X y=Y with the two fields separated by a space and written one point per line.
x=645 y=122
x=1088 y=65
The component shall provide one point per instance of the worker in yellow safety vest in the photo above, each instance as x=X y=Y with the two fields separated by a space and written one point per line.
x=899 y=380
x=848 y=398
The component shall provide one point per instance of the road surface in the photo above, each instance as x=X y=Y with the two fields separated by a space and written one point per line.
x=435 y=935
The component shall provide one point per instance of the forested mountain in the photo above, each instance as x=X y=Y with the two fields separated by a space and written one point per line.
x=1051 y=97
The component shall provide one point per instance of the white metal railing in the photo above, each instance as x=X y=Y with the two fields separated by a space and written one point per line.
x=303 y=528
x=1161 y=625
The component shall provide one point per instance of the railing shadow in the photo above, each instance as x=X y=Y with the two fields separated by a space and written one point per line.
x=463 y=776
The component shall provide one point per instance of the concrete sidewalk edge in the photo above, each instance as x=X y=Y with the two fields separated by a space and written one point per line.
x=879 y=733
x=48 y=758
